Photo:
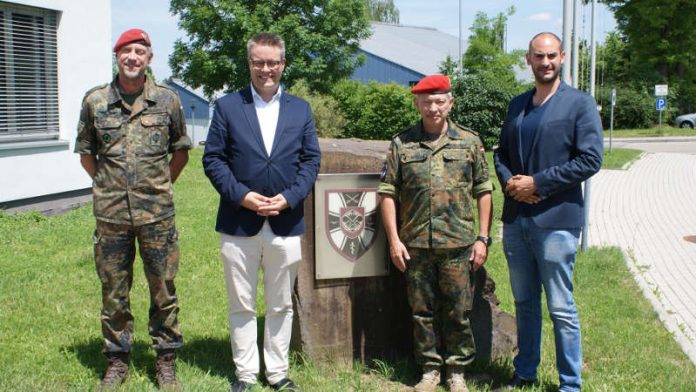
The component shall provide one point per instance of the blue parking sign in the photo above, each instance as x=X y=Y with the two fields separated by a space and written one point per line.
x=660 y=103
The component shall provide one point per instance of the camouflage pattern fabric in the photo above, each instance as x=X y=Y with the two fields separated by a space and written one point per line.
x=435 y=184
x=114 y=251
x=132 y=182
x=440 y=292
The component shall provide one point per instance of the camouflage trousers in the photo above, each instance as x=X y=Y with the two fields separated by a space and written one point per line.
x=441 y=291
x=114 y=252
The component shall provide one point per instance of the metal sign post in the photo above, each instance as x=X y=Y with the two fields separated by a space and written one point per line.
x=611 y=117
x=660 y=106
x=661 y=91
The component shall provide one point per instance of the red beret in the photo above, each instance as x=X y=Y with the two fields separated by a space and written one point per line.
x=130 y=36
x=432 y=84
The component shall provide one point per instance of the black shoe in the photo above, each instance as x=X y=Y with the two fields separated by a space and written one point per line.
x=287 y=385
x=241 y=386
x=515 y=383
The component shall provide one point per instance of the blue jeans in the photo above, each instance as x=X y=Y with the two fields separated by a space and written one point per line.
x=544 y=257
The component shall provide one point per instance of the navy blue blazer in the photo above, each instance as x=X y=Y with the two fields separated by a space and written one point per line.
x=236 y=162
x=566 y=150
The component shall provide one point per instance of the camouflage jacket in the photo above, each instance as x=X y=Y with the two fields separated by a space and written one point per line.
x=434 y=184
x=132 y=183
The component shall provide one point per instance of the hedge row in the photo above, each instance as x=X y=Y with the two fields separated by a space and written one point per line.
x=377 y=111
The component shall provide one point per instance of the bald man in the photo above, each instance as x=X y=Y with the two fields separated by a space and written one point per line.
x=550 y=142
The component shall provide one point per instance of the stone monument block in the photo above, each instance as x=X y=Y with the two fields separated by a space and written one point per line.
x=369 y=317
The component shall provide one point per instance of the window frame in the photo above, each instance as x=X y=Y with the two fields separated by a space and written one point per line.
x=29 y=101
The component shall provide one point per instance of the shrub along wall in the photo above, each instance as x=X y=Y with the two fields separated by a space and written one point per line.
x=377 y=111
x=374 y=111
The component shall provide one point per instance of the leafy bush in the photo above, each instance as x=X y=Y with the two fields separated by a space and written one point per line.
x=327 y=118
x=350 y=95
x=480 y=103
x=375 y=111
x=635 y=107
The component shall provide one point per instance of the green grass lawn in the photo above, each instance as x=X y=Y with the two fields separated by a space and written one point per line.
x=666 y=130
x=619 y=158
x=50 y=336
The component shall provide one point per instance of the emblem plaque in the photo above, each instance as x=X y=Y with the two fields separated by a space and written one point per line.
x=351 y=221
x=349 y=238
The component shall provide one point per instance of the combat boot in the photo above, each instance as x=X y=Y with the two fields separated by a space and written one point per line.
x=455 y=379
x=430 y=380
x=116 y=371
x=166 y=371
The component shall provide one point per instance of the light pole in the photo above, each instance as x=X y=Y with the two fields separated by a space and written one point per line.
x=588 y=182
x=193 y=123
x=567 y=39
x=460 y=37
x=576 y=44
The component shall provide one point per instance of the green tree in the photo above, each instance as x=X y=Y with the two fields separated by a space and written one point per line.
x=376 y=111
x=613 y=60
x=449 y=66
x=327 y=117
x=480 y=103
x=488 y=84
x=382 y=11
x=660 y=45
x=486 y=52
x=321 y=37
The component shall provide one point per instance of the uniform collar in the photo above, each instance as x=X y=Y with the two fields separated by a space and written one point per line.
x=115 y=94
x=452 y=131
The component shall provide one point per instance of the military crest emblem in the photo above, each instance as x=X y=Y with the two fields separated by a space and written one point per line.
x=351 y=221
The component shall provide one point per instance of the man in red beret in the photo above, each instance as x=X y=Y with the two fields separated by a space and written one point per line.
x=127 y=131
x=434 y=172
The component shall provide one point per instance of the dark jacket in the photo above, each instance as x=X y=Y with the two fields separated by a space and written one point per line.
x=566 y=150
x=236 y=162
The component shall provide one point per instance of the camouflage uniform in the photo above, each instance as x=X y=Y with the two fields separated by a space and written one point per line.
x=133 y=199
x=434 y=184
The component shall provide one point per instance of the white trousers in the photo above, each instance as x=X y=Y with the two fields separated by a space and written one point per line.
x=279 y=257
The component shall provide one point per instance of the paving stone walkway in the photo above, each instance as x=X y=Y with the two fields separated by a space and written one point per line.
x=647 y=211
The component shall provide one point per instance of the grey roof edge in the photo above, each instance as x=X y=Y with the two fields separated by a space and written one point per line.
x=392 y=62
x=408 y=26
x=198 y=91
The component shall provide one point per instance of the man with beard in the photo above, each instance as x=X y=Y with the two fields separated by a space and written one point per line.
x=126 y=132
x=550 y=142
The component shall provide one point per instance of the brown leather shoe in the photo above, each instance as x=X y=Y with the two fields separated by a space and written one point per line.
x=166 y=371
x=455 y=379
x=116 y=371
x=430 y=380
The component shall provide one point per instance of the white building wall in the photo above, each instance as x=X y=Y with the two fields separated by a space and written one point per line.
x=198 y=132
x=84 y=61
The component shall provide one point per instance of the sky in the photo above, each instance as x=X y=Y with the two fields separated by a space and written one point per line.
x=530 y=17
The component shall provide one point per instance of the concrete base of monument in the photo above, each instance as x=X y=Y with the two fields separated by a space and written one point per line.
x=369 y=317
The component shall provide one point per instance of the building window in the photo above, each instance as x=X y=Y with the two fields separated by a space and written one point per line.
x=28 y=74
